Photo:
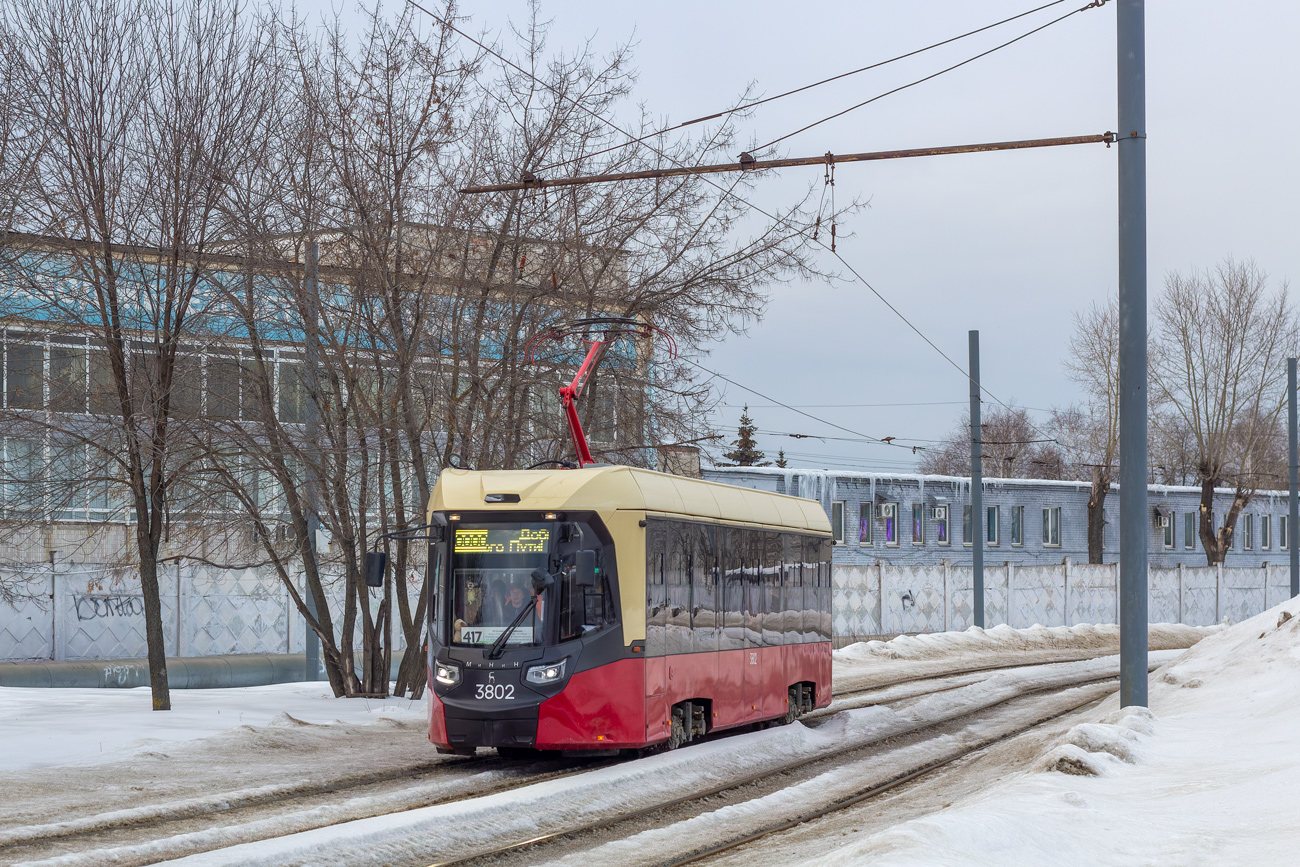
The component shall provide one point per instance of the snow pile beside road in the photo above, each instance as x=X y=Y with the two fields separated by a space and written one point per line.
x=1093 y=749
x=1212 y=776
x=51 y=727
x=872 y=663
x=1003 y=639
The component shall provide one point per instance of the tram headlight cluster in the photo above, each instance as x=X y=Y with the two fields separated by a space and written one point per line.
x=446 y=673
x=548 y=673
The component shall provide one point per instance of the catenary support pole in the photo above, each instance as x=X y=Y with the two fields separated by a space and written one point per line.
x=1135 y=520
x=1294 y=504
x=976 y=480
x=312 y=646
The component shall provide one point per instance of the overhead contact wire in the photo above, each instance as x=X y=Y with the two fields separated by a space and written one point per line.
x=833 y=78
x=800 y=230
x=1093 y=5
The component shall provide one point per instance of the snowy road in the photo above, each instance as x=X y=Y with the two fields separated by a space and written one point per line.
x=166 y=800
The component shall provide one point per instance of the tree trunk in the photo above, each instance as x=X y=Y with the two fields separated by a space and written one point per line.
x=153 y=628
x=1097 y=516
x=1212 y=542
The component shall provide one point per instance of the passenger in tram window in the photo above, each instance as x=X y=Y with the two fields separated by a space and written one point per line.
x=515 y=599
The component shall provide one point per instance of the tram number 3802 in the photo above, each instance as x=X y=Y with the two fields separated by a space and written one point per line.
x=499 y=691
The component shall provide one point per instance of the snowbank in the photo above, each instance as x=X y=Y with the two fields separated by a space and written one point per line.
x=49 y=727
x=1211 y=775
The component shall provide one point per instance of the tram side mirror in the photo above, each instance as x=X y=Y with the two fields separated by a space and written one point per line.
x=584 y=567
x=375 y=563
x=541 y=580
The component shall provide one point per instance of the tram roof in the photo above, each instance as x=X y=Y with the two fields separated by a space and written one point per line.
x=619 y=487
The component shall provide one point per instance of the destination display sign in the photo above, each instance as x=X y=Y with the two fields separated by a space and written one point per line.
x=527 y=539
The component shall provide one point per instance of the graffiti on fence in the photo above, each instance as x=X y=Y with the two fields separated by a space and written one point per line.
x=97 y=607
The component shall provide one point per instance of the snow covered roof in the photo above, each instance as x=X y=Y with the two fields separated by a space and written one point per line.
x=788 y=472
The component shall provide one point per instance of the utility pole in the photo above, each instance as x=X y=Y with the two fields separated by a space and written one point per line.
x=976 y=480
x=1135 y=519
x=312 y=646
x=1294 y=500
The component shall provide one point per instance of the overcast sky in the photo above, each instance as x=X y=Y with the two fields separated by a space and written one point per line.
x=1008 y=243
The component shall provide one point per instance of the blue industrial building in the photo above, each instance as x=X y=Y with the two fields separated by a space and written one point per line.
x=916 y=519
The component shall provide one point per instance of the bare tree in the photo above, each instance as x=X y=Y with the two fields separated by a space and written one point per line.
x=1090 y=434
x=142 y=109
x=1012 y=448
x=1218 y=357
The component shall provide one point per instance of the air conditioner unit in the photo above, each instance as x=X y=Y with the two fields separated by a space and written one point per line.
x=885 y=510
x=1162 y=521
x=939 y=513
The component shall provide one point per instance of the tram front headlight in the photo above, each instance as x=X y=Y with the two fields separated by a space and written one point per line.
x=446 y=673
x=545 y=674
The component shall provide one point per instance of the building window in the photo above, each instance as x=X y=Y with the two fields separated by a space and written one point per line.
x=866 y=524
x=1248 y=532
x=1189 y=531
x=918 y=523
x=1266 y=531
x=837 y=521
x=1282 y=534
x=890 y=513
x=1052 y=527
x=24 y=376
x=991 y=525
x=965 y=526
x=1017 y=525
x=1168 y=520
x=941 y=525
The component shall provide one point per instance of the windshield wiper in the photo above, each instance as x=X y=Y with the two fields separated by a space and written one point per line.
x=541 y=580
x=499 y=646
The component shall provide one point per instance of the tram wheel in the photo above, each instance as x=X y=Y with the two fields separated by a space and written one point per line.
x=677 y=734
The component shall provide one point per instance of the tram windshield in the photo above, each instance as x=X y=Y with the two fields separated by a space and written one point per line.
x=491 y=582
x=491 y=585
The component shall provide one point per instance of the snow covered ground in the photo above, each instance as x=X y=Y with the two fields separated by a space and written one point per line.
x=50 y=727
x=1210 y=775
x=81 y=754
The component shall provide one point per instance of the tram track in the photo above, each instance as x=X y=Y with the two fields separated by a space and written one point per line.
x=229 y=805
x=179 y=829
x=150 y=834
x=537 y=844
x=889 y=785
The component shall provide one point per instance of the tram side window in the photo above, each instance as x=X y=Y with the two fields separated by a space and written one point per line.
x=677 y=580
x=754 y=595
x=828 y=592
x=585 y=609
x=792 y=590
x=656 y=600
x=770 y=589
x=704 y=590
x=733 y=590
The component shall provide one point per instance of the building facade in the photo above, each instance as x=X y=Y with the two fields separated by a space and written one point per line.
x=919 y=519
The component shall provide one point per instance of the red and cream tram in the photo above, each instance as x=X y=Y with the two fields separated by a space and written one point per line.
x=611 y=607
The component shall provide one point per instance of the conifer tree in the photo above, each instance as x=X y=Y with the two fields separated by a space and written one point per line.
x=780 y=458
x=746 y=452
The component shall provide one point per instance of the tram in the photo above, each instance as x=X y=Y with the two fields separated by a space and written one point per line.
x=609 y=608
